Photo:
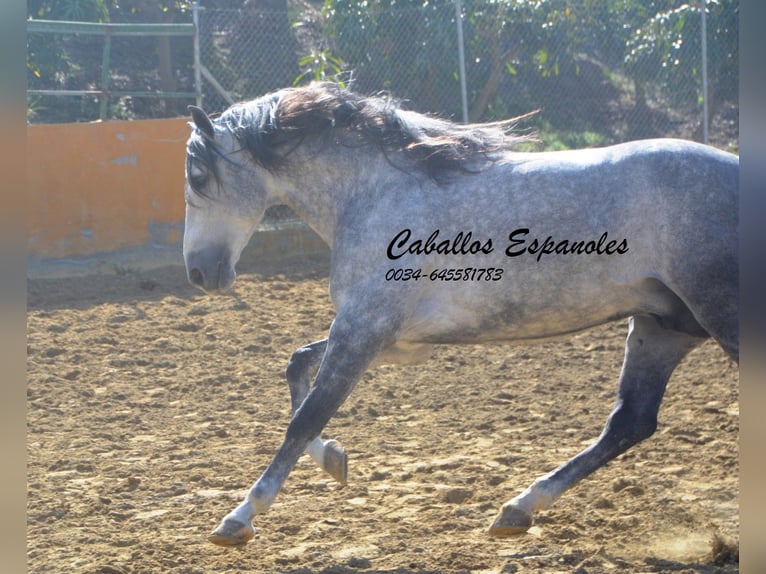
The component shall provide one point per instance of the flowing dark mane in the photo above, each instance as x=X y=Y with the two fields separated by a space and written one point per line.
x=272 y=126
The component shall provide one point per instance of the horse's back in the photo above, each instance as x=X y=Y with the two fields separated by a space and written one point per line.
x=673 y=204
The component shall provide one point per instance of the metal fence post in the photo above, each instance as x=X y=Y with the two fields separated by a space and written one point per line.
x=704 y=73
x=197 y=62
x=461 y=59
x=103 y=99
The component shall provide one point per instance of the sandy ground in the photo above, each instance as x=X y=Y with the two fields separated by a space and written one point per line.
x=152 y=408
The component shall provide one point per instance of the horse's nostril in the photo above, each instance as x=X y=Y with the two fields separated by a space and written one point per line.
x=196 y=277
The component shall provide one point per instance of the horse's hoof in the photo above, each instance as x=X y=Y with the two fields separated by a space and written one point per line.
x=335 y=461
x=510 y=521
x=231 y=533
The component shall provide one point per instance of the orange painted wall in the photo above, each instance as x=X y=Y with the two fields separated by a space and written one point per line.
x=106 y=186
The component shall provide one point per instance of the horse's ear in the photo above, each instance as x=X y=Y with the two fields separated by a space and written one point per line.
x=202 y=122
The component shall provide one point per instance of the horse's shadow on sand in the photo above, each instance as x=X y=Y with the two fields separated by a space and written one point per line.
x=651 y=564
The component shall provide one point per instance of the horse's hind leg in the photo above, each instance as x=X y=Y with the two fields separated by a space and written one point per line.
x=329 y=455
x=716 y=310
x=651 y=353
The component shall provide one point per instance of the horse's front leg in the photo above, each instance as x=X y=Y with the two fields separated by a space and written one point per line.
x=329 y=454
x=351 y=346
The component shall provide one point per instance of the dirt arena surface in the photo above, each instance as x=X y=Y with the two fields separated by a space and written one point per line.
x=152 y=408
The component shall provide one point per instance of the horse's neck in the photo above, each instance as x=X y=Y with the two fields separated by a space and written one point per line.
x=319 y=212
x=317 y=187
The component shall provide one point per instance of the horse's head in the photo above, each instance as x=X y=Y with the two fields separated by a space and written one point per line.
x=225 y=201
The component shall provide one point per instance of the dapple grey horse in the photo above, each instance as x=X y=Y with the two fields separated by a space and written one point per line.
x=447 y=234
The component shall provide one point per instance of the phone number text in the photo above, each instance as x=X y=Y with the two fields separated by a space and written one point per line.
x=460 y=274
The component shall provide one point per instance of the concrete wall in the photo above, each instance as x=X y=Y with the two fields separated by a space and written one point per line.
x=110 y=194
x=101 y=187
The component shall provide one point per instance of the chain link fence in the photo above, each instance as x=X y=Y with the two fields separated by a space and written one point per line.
x=599 y=72
x=487 y=60
x=84 y=71
x=475 y=60
x=591 y=87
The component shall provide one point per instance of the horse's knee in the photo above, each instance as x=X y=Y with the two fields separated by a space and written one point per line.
x=300 y=369
x=303 y=360
x=294 y=369
x=627 y=426
x=298 y=364
x=295 y=373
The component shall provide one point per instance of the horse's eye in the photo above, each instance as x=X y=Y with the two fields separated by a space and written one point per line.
x=198 y=180
x=196 y=174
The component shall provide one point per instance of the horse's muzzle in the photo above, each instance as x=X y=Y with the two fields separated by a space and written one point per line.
x=210 y=269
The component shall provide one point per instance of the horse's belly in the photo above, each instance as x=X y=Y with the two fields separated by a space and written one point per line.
x=456 y=320
x=491 y=332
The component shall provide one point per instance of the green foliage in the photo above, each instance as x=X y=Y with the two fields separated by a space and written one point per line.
x=554 y=140
x=68 y=61
x=319 y=65
x=72 y=10
x=667 y=45
x=50 y=66
x=405 y=46
x=519 y=54
x=515 y=47
x=374 y=38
